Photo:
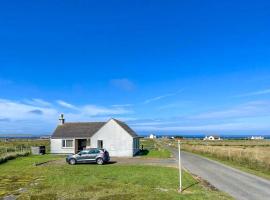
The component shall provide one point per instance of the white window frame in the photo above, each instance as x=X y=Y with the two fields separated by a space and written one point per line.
x=64 y=143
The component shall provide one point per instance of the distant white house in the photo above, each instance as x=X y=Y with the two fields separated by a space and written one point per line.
x=115 y=136
x=152 y=136
x=257 y=138
x=212 y=137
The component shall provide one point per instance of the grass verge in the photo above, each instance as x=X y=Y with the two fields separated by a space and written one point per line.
x=153 y=149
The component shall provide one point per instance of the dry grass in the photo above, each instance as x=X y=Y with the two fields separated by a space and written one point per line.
x=13 y=155
x=21 y=145
x=14 y=148
x=254 y=154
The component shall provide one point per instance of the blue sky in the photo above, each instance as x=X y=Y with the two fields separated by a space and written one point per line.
x=161 y=66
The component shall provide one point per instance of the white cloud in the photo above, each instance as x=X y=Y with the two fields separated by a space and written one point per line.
x=66 y=105
x=94 y=110
x=250 y=109
x=153 y=123
x=256 y=93
x=122 y=105
x=233 y=126
x=38 y=116
x=161 y=97
x=38 y=102
x=179 y=104
x=14 y=110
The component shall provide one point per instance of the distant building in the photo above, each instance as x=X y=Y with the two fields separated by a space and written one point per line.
x=212 y=137
x=257 y=138
x=152 y=136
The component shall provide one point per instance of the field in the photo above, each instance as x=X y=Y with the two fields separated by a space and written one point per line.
x=57 y=180
x=252 y=155
x=153 y=149
x=13 y=148
x=13 y=145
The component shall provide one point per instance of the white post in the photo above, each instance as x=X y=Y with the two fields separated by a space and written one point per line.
x=180 y=167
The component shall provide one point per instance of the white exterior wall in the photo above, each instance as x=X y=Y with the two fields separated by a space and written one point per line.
x=56 y=147
x=116 y=140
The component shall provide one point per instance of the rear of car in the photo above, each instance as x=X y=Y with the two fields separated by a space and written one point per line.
x=106 y=155
x=100 y=156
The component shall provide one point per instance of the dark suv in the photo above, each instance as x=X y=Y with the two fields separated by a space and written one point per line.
x=100 y=156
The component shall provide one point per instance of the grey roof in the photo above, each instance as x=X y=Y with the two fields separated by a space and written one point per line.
x=85 y=129
x=81 y=129
x=126 y=128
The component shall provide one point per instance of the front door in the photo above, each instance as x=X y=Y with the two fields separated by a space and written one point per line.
x=100 y=144
x=82 y=144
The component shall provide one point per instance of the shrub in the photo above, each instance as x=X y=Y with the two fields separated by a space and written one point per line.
x=13 y=155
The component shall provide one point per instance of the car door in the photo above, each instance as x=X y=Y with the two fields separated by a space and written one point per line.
x=83 y=156
x=93 y=154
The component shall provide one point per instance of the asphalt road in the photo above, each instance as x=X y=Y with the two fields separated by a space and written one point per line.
x=238 y=184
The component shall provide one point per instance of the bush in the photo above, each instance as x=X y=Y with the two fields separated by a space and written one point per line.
x=13 y=155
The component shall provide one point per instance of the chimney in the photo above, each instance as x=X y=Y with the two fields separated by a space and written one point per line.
x=62 y=119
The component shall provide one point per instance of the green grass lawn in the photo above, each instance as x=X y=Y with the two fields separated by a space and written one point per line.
x=153 y=149
x=90 y=181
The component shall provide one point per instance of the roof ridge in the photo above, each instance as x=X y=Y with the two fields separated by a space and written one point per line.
x=126 y=127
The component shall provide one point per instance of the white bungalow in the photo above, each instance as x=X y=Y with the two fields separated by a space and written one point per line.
x=115 y=136
x=211 y=137
x=257 y=138
x=152 y=136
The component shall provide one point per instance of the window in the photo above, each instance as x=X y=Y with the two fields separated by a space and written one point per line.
x=100 y=144
x=67 y=143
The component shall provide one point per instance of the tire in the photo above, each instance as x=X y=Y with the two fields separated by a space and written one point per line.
x=72 y=161
x=100 y=161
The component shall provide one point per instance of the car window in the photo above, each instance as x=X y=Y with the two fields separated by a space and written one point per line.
x=93 y=151
x=83 y=152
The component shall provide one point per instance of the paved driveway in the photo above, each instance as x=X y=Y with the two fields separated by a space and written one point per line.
x=170 y=162
x=238 y=184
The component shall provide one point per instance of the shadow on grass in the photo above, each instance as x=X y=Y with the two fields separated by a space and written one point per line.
x=94 y=163
x=143 y=152
x=189 y=186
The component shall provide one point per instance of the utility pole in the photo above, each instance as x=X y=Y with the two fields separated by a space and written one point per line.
x=180 y=167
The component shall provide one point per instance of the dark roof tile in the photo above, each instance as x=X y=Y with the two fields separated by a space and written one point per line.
x=85 y=129
x=71 y=130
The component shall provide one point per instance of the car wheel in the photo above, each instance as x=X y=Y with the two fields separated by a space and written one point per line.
x=72 y=161
x=100 y=161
